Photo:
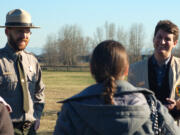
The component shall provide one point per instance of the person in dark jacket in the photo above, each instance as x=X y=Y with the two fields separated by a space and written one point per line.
x=113 y=106
x=6 y=127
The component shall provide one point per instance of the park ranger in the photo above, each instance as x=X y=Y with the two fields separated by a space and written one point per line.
x=20 y=75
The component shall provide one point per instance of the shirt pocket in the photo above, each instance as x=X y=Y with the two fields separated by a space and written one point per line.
x=8 y=84
x=31 y=80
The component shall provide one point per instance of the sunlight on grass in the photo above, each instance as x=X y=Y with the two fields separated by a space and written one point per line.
x=60 y=85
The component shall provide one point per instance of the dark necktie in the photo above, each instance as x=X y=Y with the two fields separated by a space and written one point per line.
x=23 y=83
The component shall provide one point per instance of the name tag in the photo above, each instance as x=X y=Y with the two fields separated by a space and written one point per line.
x=7 y=73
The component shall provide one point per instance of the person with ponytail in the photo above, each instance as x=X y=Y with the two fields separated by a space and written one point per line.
x=113 y=106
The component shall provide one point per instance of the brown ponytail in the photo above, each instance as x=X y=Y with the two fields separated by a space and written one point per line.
x=110 y=89
x=108 y=63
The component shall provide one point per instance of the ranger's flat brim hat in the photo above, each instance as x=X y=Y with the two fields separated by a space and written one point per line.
x=18 y=18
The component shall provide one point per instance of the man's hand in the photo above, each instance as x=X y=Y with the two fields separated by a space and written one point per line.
x=171 y=103
x=36 y=124
x=178 y=104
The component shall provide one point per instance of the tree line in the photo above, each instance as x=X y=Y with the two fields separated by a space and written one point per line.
x=70 y=47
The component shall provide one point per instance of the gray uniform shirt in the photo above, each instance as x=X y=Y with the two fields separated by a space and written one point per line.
x=10 y=88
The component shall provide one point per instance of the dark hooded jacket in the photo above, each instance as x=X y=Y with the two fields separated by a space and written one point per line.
x=87 y=114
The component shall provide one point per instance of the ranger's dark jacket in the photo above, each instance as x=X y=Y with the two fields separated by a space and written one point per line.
x=87 y=114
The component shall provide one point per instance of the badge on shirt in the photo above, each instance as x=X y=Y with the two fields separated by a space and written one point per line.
x=178 y=90
x=30 y=68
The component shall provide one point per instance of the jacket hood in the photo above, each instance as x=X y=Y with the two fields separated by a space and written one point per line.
x=108 y=119
x=123 y=87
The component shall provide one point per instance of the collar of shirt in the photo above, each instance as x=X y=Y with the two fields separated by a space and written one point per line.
x=11 y=52
x=155 y=63
x=160 y=70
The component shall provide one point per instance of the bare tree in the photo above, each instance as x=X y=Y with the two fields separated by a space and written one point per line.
x=110 y=30
x=50 y=50
x=98 y=37
x=122 y=36
x=71 y=44
x=136 y=41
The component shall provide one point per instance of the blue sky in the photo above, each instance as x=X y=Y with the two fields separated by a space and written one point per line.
x=51 y=15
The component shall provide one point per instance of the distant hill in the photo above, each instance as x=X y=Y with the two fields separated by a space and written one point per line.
x=35 y=50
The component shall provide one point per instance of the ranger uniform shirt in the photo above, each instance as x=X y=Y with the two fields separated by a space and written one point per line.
x=10 y=88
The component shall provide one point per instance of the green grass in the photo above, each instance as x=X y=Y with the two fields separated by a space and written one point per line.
x=60 y=85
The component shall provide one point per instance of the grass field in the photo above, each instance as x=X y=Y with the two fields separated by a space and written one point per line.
x=60 y=85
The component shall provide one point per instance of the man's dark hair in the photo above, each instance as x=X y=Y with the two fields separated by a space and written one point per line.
x=169 y=27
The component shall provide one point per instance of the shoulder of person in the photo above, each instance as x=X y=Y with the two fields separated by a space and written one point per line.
x=176 y=58
x=30 y=54
x=3 y=54
x=175 y=62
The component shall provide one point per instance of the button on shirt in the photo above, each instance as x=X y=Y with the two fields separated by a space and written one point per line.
x=160 y=71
